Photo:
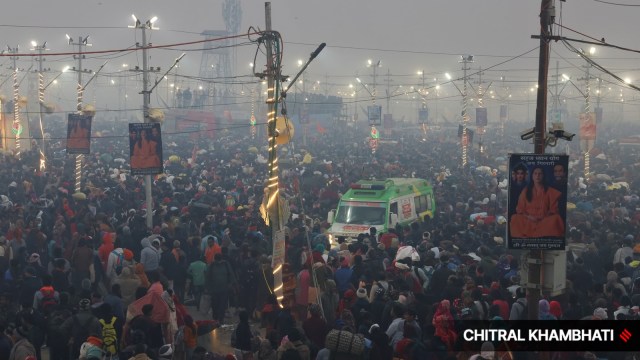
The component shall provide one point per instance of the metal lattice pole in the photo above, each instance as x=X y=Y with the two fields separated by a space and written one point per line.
x=587 y=110
x=466 y=59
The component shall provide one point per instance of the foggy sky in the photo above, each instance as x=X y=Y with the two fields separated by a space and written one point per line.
x=405 y=35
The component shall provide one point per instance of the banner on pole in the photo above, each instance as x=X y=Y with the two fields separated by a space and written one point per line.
x=374 y=113
x=79 y=134
x=481 y=116
x=423 y=115
x=503 y=113
x=537 y=201
x=145 y=148
x=587 y=131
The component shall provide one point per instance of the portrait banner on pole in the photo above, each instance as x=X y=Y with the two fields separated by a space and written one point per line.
x=79 y=134
x=587 y=131
x=503 y=113
x=374 y=113
x=537 y=202
x=423 y=116
x=481 y=116
x=145 y=148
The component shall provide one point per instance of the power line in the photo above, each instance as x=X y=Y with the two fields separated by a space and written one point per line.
x=129 y=49
x=616 y=4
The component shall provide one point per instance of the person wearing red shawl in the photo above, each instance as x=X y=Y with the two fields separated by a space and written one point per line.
x=555 y=309
x=347 y=301
x=444 y=313
x=443 y=331
x=303 y=282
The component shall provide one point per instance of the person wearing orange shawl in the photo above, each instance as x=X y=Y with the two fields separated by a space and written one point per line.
x=105 y=249
x=144 y=281
x=212 y=249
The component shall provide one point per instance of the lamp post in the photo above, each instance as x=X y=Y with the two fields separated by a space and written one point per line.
x=465 y=60
x=40 y=49
x=374 y=67
x=81 y=42
x=437 y=114
x=146 y=100
x=16 y=128
x=124 y=96
x=587 y=136
x=304 y=115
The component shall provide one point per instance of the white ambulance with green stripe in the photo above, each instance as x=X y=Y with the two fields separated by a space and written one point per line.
x=381 y=204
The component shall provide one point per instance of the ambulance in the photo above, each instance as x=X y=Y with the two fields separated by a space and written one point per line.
x=381 y=204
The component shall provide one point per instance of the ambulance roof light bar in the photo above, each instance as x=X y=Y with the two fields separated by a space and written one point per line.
x=367 y=186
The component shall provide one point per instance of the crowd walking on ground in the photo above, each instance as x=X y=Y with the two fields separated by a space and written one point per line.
x=83 y=275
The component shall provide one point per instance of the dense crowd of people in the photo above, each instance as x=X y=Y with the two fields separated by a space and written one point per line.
x=84 y=276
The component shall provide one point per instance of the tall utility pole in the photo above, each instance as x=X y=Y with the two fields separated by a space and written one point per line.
x=388 y=81
x=481 y=91
x=375 y=77
x=81 y=42
x=588 y=143
x=465 y=60
x=504 y=114
x=274 y=206
x=146 y=100
x=17 y=126
x=555 y=106
x=422 y=111
x=536 y=257
x=423 y=89
x=304 y=118
x=41 y=87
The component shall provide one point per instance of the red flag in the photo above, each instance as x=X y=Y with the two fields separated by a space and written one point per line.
x=320 y=129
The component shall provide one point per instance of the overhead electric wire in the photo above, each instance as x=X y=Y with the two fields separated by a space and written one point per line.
x=600 y=67
x=615 y=4
x=239 y=126
x=165 y=46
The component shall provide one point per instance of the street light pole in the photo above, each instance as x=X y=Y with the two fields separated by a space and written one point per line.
x=16 y=127
x=423 y=95
x=465 y=60
x=146 y=100
x=125 y=95
x=41 y=87
x=535 y=258
x=587 y=143
x=304 y=113
x=375 y=76
x=81 y=42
